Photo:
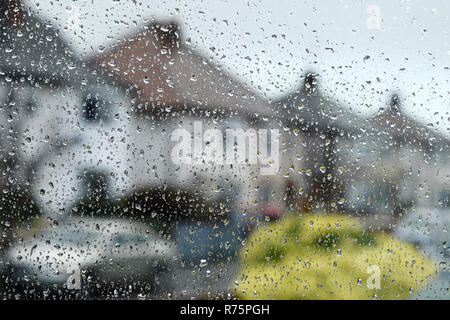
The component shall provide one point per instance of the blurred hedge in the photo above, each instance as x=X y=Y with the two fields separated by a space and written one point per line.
x=319 y=256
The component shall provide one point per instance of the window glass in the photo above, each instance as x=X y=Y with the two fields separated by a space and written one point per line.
x=241 y=150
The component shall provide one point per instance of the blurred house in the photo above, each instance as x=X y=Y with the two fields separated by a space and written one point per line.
x=47 y=93
x=413 y=149
x=320 y=125
x=405 y=178
x=34 y=62
x=399 y=164
x=384 y=164
x=171 y=86
x=35 y=65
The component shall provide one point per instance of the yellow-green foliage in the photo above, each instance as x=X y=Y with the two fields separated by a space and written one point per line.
x=318 y=256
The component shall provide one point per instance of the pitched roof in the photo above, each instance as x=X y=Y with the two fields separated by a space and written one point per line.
x=33 y=47
x=393 y=121
x=310 y=106
x=166 y=72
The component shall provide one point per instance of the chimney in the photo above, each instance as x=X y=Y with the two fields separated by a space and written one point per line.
x=395 y=103
x=310 y=84
x=168 y=34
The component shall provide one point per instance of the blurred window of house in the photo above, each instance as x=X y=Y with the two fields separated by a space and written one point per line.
x=95 y=107
x=444 y=198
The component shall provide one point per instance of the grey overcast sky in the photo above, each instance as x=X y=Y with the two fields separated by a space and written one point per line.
x=363 y=50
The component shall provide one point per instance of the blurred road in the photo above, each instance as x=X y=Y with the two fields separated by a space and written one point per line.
x=206 y=282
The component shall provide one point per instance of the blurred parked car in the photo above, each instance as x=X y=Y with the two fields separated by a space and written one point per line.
x=427 y=228
x=208 y=241
x=90 y=254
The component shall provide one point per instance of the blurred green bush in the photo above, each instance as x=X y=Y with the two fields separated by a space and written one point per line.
x=321 y=256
